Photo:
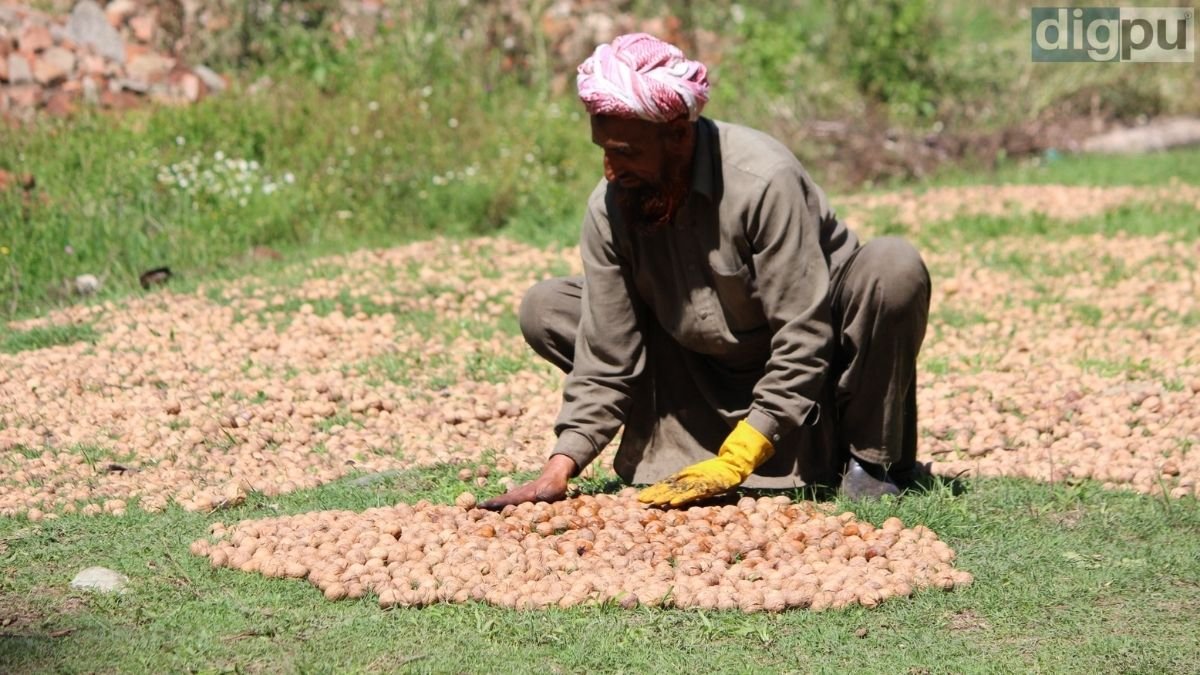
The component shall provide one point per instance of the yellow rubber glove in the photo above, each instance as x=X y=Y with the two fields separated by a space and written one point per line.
x=742 y=452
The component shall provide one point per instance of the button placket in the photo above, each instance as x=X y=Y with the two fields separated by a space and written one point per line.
x=707 y=306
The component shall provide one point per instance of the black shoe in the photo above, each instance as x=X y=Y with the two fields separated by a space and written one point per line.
x=863 y=480
x=918 y=475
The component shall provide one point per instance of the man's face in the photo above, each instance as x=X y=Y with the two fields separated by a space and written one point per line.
x=651 y=162
x=634 y=151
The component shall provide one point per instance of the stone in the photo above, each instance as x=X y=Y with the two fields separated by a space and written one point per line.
x=210 y=78
x=136 y=86
x=91 y=64
x=24 y=95
x=19 y=70
x=87 y=284
x=91 y=90
x=163 y=94
x=60 y=104
x=190 y=85
x=149 y=279
x=34 y=38
x=88 y=26
x=61 y=37
x=101 y=580
x=143 y=27
x=149 y=68
x=3 y=67
x=134 y=50
x=117 y=11
x=53 y=66
x=1161 y=134
x=117 y=100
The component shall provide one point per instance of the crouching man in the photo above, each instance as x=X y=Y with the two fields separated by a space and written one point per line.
x=735 y=327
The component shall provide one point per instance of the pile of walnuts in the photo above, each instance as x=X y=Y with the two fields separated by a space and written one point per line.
x=759 y=555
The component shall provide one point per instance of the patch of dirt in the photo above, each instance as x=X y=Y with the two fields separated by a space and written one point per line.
x=20 y=618
x=967 y=620
x=869 y=149
x=1067 y=519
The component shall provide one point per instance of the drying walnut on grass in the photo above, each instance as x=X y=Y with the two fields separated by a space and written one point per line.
x=1057 y=359
x=759 y=555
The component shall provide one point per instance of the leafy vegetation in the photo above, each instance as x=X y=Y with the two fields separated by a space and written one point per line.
x=331 y=147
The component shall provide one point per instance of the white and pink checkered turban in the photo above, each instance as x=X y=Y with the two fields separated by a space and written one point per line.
x=639 y=76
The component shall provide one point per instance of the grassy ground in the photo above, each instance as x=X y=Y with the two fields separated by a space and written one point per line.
x=1068 y=579
x=1156 y=169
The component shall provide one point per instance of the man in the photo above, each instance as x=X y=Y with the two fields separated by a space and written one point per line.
x=736 y=328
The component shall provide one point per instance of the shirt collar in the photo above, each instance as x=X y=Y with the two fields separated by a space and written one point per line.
x=706 y=163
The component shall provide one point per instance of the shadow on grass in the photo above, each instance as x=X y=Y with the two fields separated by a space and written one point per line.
x=921 y=482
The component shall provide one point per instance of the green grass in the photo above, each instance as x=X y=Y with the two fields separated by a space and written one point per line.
x=958 y=318
x=1068 y=579
x=1128 y=368
x=1155 y=168
x=119 y=195
x=1178 y=220
x=13 y=341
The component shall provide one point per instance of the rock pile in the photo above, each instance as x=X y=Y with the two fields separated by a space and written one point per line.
x=556 y=38
x=96 y=56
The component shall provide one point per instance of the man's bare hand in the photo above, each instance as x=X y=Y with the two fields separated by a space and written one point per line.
x=551 y=486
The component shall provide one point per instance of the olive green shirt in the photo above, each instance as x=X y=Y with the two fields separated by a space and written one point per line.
x=739 y=282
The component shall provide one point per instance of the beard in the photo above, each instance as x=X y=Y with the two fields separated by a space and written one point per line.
x=652 y=207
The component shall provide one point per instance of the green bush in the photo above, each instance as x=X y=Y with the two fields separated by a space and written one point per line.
x=889 y=49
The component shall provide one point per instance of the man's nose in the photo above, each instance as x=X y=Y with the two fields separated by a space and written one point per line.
x=610 y=174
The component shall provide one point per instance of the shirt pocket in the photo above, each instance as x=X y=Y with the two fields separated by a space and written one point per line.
x=739 y=302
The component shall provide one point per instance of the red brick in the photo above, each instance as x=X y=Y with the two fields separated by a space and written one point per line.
x=19 y=69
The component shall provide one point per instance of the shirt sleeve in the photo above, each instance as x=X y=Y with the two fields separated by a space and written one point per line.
x=609 y=347
x=792 y=277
